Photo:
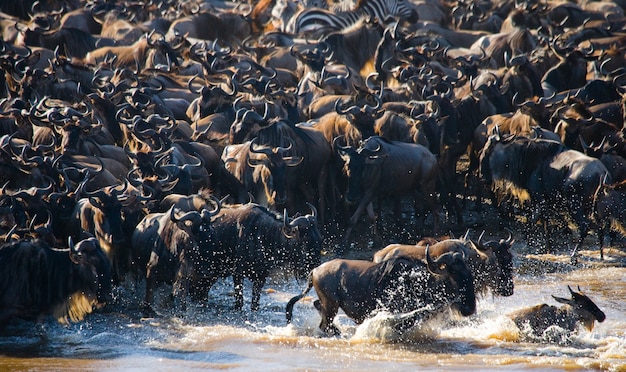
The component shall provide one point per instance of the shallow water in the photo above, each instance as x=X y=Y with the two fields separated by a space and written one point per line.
x=216 y=337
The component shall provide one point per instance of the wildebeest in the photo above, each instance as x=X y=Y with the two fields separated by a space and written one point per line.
x=579 y=309
x=545 y=173
x=166 y=248
x=610 y=211
x=261 y=169
x=37 y=280
x=250 y=241
x=398 y=285
x=381 y=168
x=490 y=263
x=308 y=179
x=100 y=214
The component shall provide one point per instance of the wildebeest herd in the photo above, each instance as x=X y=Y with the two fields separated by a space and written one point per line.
x=181 y=142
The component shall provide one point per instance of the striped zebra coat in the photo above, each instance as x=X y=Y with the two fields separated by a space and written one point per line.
x=318 y=22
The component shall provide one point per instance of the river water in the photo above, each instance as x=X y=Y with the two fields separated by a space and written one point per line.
x=215 y=337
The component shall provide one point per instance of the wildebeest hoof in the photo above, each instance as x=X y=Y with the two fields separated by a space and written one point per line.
x=332 y=330
x=148 y=312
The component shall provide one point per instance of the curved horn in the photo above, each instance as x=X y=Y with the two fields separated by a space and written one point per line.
x=207 y=214
x=74 y=253
x=286 y=222
x=431 y=264
x=344 y=149
x=480 y=237
x=354 y=109
x=263 y=150
x=510 y=239
x=313 y=210
x=193 y=216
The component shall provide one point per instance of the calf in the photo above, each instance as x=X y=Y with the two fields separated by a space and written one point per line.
x=578 y=309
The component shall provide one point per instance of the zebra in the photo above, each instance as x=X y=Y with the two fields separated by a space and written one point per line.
x=285 y=10
x=321 y=21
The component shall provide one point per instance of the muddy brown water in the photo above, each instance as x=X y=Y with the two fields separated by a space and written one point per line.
x=216 y=337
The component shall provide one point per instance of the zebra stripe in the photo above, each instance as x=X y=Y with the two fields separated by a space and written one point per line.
x=315 y=19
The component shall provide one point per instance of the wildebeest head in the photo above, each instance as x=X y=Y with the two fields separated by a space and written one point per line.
x=211 y=99
x=362 y=166
x=109 y=221
x=246 y=122
x=303 y=231
x=500 y=278
x=586 y=310
x=197 y=225
x=275 y=161
x=362 y=115
x=95 y=265
x=457 y=279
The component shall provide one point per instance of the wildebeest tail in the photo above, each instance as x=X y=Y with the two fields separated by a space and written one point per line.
x=289 y=307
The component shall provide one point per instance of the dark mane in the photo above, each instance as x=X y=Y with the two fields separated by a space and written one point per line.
x=468 y=111
x=273 y=134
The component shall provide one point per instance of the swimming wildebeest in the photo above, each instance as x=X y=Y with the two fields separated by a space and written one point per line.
x=577 y=310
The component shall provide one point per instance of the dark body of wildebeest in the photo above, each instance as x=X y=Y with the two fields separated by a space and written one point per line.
x=397 y=285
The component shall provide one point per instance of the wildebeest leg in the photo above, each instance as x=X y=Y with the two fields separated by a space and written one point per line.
x=397 y=228
x=308 y=196
x=604 y=229
x=322 y=181
x=365 y=201
x=539 y=213
x=238 y=283
x=376 y=223
x=149 y=297
x=325 y=188
x=199 y=290
x=180 y=292
x=257 y=286
x=331 y=194
x=471 y=176
x=445 y=185
x=418 y=207
x=580 y=214
x=328 y=310
x=151 y=269
x=430 y=200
